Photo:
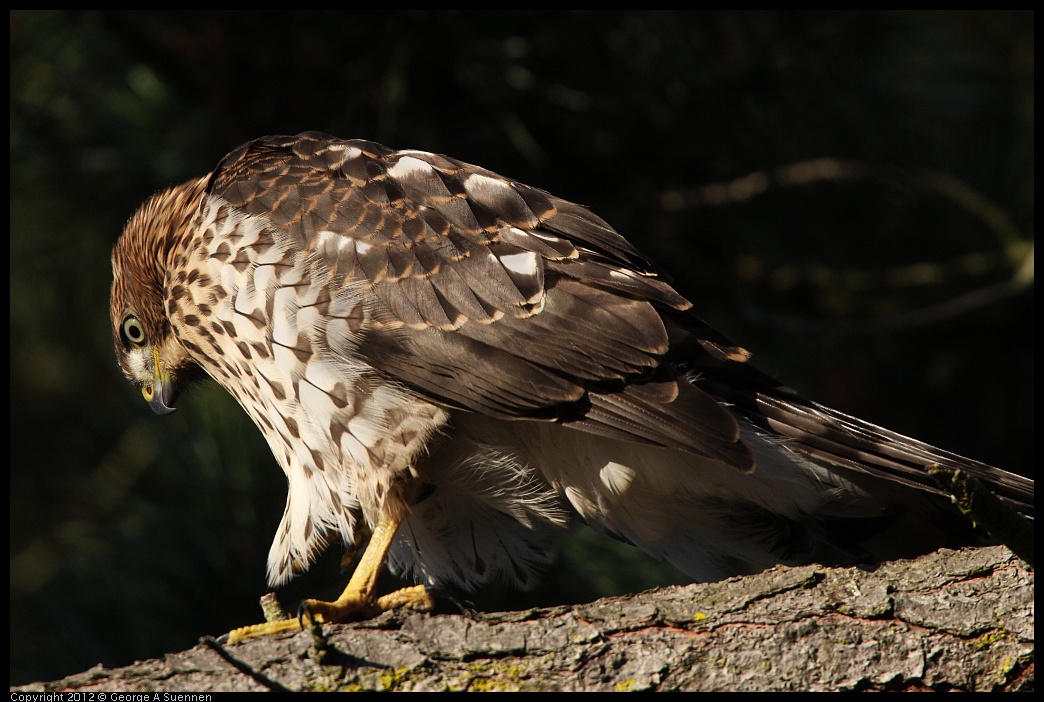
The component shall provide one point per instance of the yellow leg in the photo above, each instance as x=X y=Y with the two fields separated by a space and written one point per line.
x=357 y=602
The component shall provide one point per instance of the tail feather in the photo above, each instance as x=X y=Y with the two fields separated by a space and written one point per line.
x=840 y=439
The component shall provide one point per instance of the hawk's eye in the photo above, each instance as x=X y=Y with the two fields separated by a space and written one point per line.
x=133 y=332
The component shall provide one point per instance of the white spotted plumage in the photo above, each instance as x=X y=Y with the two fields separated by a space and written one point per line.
x=270 y=303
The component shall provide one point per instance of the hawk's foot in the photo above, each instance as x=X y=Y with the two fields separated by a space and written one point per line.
x=355 y=606
x=351 y=606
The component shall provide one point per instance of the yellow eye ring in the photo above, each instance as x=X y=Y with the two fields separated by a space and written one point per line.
x=133 y=331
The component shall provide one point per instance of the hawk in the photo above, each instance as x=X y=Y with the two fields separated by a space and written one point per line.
x=452 y=364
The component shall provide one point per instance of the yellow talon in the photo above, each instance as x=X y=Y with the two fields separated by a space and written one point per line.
x=357 y=602
x=267 y=629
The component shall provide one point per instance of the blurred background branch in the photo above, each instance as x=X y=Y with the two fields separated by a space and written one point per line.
x=1012 y=254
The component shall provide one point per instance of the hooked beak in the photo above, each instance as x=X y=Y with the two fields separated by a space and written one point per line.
x=160 y=394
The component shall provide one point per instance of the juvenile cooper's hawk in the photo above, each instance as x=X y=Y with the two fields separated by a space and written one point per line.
x=457 y=363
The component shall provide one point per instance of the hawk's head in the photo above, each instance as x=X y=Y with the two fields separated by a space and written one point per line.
x=147 y=349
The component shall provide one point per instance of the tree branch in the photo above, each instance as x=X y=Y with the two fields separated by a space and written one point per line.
x=953 y=620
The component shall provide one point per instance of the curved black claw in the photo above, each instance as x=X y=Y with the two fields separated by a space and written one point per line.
x=463 y=606
x=305 y=610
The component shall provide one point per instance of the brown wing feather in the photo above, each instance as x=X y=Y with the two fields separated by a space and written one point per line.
x=493 y=296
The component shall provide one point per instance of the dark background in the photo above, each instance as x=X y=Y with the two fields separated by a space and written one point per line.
x=849 y=195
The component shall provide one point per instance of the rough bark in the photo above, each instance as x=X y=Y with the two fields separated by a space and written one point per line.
x=948 y=621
